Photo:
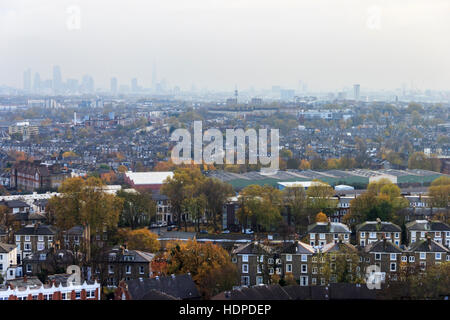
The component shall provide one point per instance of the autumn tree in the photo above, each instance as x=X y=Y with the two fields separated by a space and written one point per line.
x=320 y=198
x=138 y=208
x=142 y=239
x=209 y=265
x=439 y=191
x=84 y=202
x=321 y=217
x=295 y=201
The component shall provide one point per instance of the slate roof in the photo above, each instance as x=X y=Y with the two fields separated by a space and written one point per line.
x=373 y=226
x=40 y=229
x=335 y=291
x=382 y=246
x=14 y=204
x=297 y=248
x=338 y=246
x=427 y=245
x=179 y=286
x=77 y=230
x=252 y=248
x=328 y=227
x=6 y=248
x=425 y=225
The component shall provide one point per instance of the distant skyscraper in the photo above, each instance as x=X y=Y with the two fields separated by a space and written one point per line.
x=134 y=85
x=57 y=79
x=113 y=85
x=37 y=82
x=87 y=84
x=154 y=78
x=356 y=91
x=27 y=80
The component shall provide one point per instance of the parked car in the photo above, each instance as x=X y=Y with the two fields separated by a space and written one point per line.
x=203 y=232
x=226 y=231
x=169 y=228
x=248 y=231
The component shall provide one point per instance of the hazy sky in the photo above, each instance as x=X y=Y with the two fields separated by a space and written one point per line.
x=222 y=43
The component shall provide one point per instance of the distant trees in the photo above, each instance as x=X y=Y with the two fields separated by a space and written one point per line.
x=381 y=200
x=138 y=209
x=190 y=192
x=439 y=191
x=261 y=206
x=418 y=160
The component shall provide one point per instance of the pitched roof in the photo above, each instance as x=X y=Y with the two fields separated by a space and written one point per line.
x=179 y=286
x=40 y=229
x=297 y=247
x=425 y=225
x=6 y=248
x=383 y=246
x=253 y=248
x=328 y=227
x=374 y=226
x=427 y=245
x=338 y=246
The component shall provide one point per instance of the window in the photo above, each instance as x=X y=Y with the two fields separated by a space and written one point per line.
x=322 y=281
x=423 y=256
x=304 y=268
x=303 y=280
x=141 y=269
x=289 y=257
x=17 y=238
x=29 y=268
x=423 y=265
x=335 y=236
x=404 y=259
x=245 y=258
x=278 y=261
x=312 y=236
x=397 y=235
x=322 y=236
x=63 y=296
x=314 y=281
x=304 y=257
x=314 y=259
x=40 y=238
x=412 y=258
x=234 y=259
x=278 y=270
x=346 y=236
x=437 y=234
x=270 y=261
x=259 y=280
x=27 y=246
x=245 y=268
x=258 y=268
x=270 y=270
x=438 y=256
x=362 y=234
x=312 y=243
x=289 y=268
x=245 y=280
x=393 y=256
x=40 y=246
x=422 y=234
x=27 y=238
x=377 y=256
x=261 y=258
x=372 y=235
x=393 y=266
x=111 y=268
x=387 y=235
x=314 y=270
x=397 y=243
x=128 y=269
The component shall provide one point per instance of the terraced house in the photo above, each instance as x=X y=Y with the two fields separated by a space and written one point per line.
x=372 y=231
x=420 y=229
x=33 y=238
x=322 y=233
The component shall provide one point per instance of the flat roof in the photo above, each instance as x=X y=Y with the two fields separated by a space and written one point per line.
x=152 y=177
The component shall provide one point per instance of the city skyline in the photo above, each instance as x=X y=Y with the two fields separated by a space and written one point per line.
x=216 y=44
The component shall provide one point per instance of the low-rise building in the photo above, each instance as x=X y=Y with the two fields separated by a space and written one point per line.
x=322 y=233
x=437 y=230
x=372 y=231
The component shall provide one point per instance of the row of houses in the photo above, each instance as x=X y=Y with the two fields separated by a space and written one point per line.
x=258 y=263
